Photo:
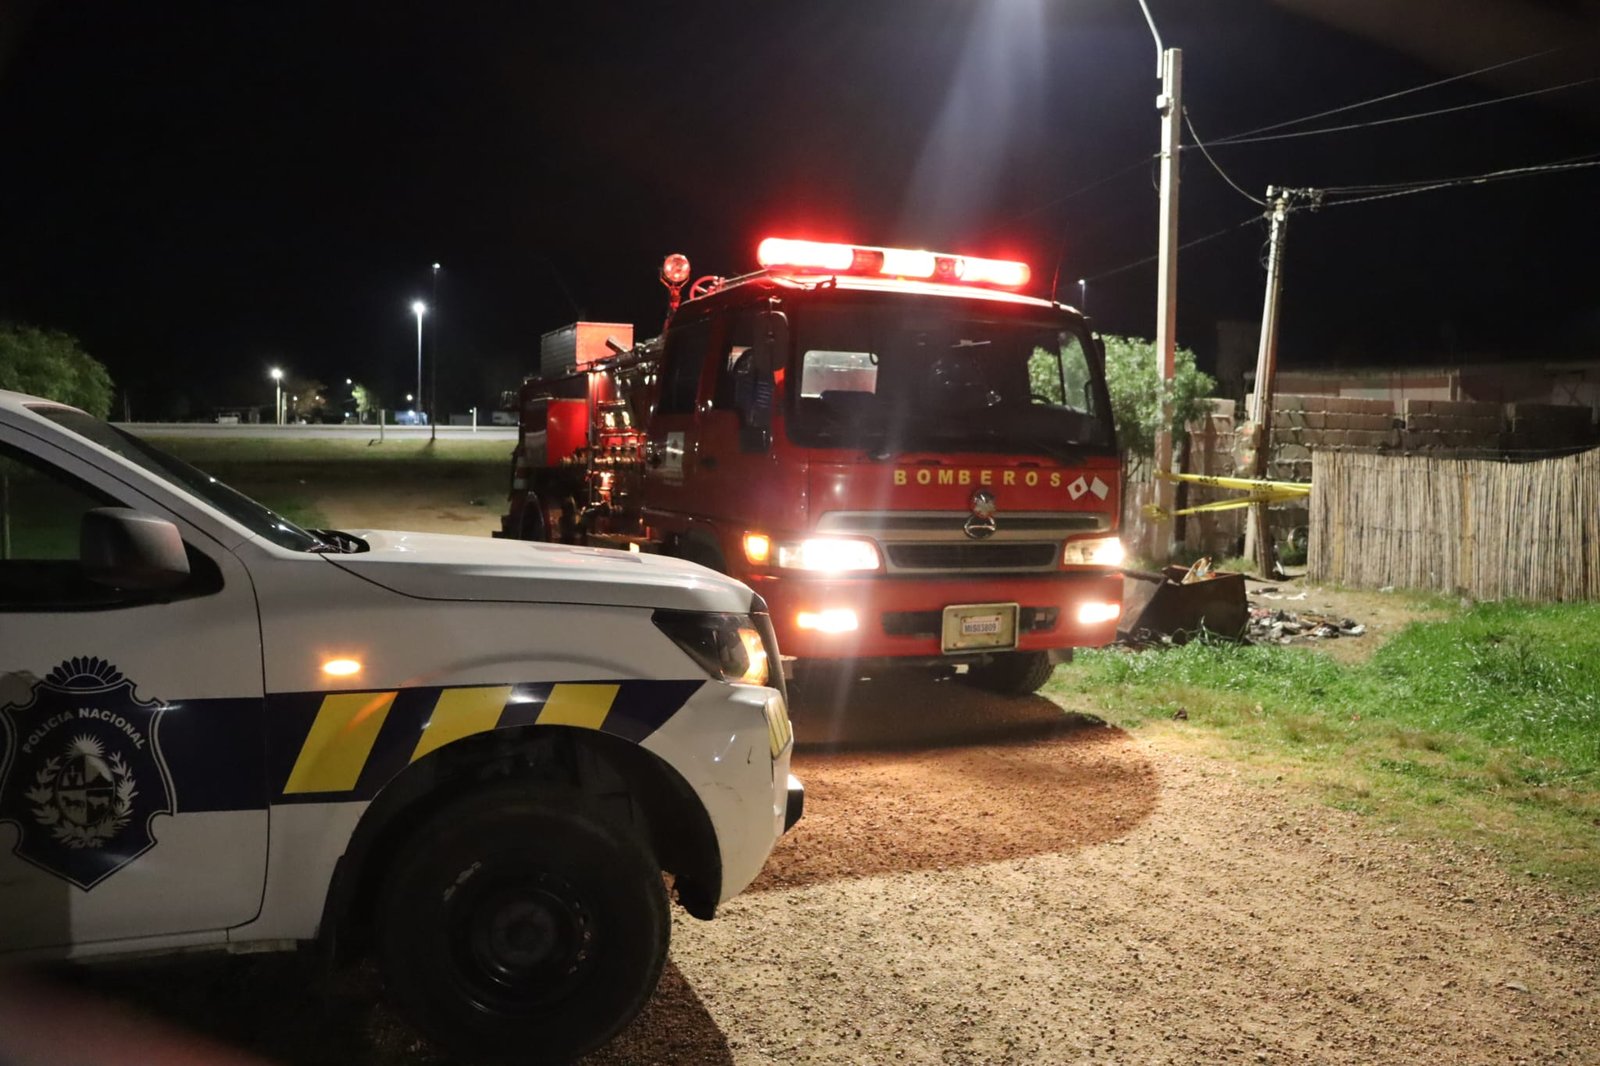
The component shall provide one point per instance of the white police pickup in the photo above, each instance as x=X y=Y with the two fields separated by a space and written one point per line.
x=473 y=757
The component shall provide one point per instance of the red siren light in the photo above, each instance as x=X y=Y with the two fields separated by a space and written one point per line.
x=820 y=257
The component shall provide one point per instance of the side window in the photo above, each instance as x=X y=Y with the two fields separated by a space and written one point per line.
x=737 y=339
x=41 y=510
x=830 y=371
x=684 y=359
x=1059 y=375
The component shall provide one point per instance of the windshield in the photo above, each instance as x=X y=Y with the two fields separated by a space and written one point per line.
x=903 y=377
x=236 y=505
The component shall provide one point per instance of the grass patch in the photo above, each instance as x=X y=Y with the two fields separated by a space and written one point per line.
x=1484 y=726
x=289 y=475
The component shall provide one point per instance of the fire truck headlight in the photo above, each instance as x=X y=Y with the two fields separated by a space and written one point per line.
x=727 y=646
x=1094 y=551
x=829 y=554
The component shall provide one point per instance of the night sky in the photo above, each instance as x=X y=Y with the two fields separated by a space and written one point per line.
x=201 y=191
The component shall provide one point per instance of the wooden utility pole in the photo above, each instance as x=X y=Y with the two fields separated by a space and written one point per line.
x=1258 y=532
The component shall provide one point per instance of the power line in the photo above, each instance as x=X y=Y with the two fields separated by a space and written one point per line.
x=1237 y=140
x=1379 y=192
x=1392 y=96
x=1198 y=143
x=1182 y=247
x=1093 y=185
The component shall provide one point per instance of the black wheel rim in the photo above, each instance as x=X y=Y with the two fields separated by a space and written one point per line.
x=520 y=942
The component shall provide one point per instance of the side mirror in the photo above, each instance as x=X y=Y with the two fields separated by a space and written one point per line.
x=127 y=549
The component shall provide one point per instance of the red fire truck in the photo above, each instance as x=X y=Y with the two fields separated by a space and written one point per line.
x=906 y=456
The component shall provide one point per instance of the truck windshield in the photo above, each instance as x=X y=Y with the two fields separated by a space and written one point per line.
x=895 y=379
x=236 y=505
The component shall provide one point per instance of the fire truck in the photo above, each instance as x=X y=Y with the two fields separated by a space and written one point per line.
x=908 y=457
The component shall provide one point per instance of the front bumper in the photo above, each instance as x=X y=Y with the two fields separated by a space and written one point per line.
x=898 y=616
x=731 y=744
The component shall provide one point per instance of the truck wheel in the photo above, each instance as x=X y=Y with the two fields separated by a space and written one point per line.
x=519 y=920
x=1013 y=673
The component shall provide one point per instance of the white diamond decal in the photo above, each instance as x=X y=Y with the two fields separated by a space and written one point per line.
x=1078 y=488
x=1099 y=488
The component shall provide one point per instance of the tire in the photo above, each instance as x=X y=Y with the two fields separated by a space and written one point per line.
x=1013 y=673
x=520 y=922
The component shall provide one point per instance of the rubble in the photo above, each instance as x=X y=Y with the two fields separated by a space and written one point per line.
x=1269 y=625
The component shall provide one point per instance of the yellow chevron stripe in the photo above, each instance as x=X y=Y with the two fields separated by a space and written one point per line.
x=340 y=740
x=461 y=712
x=585 y=706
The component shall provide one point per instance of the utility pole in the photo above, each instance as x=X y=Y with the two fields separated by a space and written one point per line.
x=1169 y=67
x=1258 y=533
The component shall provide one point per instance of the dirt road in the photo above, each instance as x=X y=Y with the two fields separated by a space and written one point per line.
x=983 y=881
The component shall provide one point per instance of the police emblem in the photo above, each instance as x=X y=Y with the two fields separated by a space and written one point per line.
x=83 y=776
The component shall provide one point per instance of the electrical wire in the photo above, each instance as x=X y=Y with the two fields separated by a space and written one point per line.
x=1392 y=96
x=1198 y=143
x=1369 y=193
x=1238 y=140
x=1182 y=247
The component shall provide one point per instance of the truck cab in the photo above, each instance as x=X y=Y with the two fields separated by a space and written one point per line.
x=912 y=470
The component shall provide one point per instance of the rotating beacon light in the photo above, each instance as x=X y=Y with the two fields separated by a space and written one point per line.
x=674 y=274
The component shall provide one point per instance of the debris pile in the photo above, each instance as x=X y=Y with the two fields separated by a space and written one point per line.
x=1274 y=625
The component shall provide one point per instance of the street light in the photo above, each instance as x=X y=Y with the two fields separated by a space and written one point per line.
x=1083 y=294
x=277 y=404
x=419 y=309
x=433 y=377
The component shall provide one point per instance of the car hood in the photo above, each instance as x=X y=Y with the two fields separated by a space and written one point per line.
x=442 y=566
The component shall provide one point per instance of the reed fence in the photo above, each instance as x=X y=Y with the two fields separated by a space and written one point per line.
x=1493 y=530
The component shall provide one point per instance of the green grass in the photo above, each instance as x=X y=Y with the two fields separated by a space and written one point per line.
x=286 y=475
x=1484 y=727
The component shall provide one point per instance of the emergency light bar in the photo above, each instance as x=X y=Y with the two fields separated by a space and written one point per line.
x=818 y=257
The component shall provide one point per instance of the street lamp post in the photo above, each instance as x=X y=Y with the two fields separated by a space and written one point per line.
x=419 y=309
x=277 y=403
x=1169 y=67
x=1083 y=294
x=433 y=375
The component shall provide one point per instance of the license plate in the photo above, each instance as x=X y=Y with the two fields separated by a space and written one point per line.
x=970 y=626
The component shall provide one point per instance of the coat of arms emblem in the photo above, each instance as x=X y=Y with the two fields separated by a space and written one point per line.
x=82 y=775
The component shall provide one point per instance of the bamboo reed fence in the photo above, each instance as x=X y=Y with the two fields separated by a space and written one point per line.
x=1491 y=530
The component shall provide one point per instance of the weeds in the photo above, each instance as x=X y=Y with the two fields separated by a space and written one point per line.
x=1492 y=716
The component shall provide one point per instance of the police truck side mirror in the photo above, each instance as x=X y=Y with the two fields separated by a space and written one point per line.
x=130 y=550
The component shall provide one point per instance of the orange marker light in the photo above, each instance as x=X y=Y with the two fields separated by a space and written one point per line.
x=757 y=548
x=341 y=667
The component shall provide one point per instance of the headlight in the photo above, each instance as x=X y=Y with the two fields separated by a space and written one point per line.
x=828 y=554
x=728 y=646
x=1094 y=551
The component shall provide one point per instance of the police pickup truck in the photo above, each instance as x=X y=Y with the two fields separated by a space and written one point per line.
x=473 y=758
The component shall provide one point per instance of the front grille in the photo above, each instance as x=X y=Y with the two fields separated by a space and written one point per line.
x=945 y=555
x=928 y=623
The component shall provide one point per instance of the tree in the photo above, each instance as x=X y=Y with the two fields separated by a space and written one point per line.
x=366 y=402
x=1133 y=377
x=51 y=364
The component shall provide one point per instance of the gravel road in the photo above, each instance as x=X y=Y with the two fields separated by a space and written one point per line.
x=994 y=881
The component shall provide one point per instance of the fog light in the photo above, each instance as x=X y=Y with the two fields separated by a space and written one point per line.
x=833 y=620
x=1093 y=614
x=341 y=667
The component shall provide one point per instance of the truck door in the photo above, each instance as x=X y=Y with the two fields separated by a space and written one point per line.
x=672 y=444
x=132 y=784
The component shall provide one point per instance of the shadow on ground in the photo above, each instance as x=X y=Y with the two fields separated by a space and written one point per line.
x=911 y=773
x=296 y=1009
